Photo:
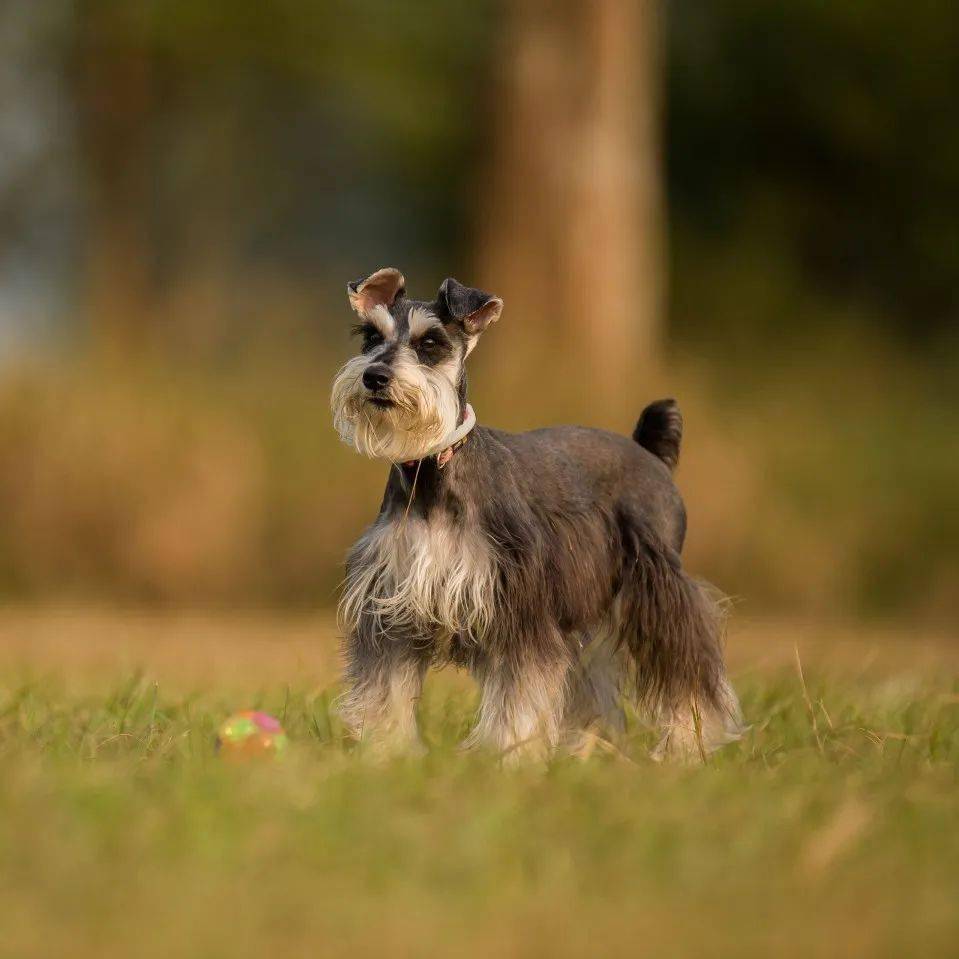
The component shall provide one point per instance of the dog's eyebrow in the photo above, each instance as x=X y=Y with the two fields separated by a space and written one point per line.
x=420 y=321
x=436 y=331
x=380 y=317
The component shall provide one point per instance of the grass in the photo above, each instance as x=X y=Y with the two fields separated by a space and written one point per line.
x=830 y=830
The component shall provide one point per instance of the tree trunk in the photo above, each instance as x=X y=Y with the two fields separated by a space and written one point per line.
x=113 y=113
x=572 y=232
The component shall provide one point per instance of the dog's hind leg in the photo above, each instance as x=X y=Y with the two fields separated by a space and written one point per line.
x=692 y=730
x=385 y=681
x=596 y=687
x=673 y=629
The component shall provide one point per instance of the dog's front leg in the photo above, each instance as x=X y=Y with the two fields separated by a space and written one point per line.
x=385 y=680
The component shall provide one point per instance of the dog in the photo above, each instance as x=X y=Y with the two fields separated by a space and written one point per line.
x=546 y=563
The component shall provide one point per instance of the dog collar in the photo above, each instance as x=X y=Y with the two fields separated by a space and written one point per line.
x=444 y=450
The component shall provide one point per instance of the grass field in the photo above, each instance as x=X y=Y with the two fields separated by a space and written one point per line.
x=832 y=829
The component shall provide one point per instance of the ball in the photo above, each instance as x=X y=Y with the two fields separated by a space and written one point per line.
x=251 y=734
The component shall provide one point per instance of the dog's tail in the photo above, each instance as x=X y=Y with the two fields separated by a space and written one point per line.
x=660 y=430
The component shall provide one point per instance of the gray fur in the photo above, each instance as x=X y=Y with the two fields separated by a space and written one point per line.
x=548 y=564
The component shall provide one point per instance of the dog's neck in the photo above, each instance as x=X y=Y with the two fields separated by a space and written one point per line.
x=417 y=488
x=419 y=484
x=447 y=446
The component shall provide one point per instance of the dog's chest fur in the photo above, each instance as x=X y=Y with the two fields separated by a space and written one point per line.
x=428 y=577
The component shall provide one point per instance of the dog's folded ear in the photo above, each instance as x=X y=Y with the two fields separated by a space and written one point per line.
x=378 y=289
x=475 y=309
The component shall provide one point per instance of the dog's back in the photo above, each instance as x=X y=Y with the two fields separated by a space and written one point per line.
x=587 y=528
x=578 y=470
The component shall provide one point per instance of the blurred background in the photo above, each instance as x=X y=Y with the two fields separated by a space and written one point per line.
x=751 y=205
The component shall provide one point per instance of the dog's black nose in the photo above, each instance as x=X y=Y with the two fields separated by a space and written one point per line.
x=377 y=376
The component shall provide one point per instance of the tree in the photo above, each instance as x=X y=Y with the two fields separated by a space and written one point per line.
x=571 y=231
x=113 y=98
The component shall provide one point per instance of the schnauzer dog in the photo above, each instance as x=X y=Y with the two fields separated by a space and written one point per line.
x=547 y=563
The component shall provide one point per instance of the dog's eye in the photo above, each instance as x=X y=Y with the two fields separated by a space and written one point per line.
x=371 y=336
x=431 y=347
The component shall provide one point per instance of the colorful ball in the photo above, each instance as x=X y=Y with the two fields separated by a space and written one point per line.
x=251 y=734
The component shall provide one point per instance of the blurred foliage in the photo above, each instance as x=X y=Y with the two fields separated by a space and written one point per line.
x=822 y=138
x=201 y=487
x=812 y=175
x=310 y=138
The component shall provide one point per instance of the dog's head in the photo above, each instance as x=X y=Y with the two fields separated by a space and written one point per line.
x=403 y=394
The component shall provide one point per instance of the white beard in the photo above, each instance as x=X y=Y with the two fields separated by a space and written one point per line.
x=425 y=410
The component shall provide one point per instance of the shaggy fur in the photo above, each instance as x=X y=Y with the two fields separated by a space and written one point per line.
x=547 y=563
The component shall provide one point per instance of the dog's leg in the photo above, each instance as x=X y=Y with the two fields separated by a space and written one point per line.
x=522 y=704
x=673 y=628
x=693 y=729
x=385 y=681
x=595 y=698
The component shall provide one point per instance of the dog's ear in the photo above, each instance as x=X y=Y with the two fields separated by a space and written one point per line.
x=473 y=308
x=378 y=289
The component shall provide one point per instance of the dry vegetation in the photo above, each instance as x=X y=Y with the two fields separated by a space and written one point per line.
x=821 y=494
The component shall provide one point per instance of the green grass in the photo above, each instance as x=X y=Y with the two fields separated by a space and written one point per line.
x=121 y=833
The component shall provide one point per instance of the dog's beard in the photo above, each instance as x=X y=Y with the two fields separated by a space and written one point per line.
x=424 y=410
